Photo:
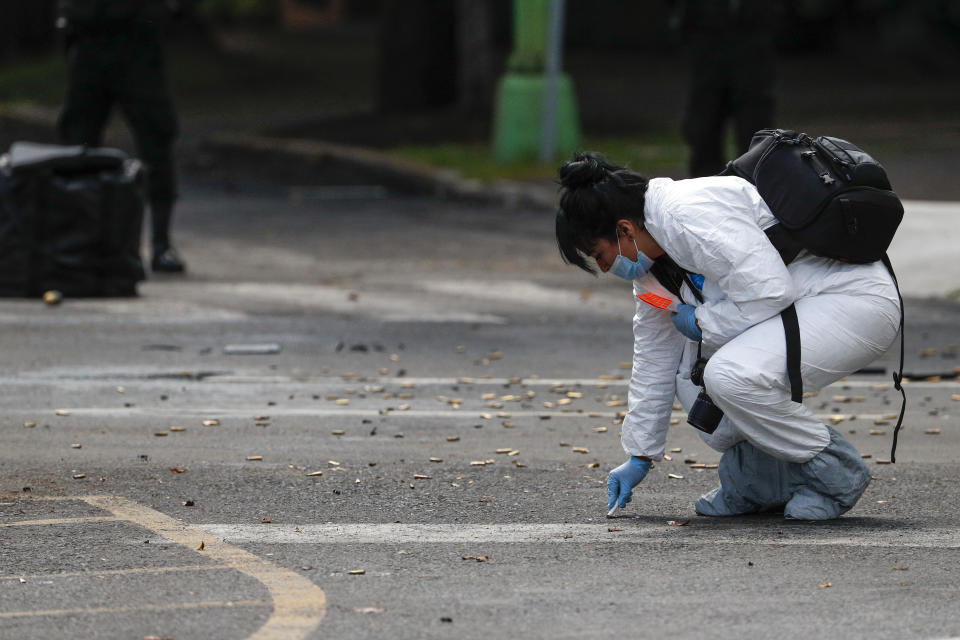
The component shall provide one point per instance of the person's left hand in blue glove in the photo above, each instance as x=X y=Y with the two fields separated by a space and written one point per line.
x=623 y=479
x=686 y=322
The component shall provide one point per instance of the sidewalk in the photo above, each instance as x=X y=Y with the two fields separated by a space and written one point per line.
x=925 y=250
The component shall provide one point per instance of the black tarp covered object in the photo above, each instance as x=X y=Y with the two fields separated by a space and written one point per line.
x=70 y=220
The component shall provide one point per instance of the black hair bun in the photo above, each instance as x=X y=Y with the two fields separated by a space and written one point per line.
x=585 y=170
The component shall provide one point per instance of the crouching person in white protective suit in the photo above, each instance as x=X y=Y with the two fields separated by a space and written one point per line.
x=776 y=453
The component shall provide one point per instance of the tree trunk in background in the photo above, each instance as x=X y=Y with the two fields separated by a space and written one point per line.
x=475 y=47
x=417 y=55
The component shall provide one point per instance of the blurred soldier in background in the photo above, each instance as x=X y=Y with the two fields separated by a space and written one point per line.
x=732 y=57
x=115 y=56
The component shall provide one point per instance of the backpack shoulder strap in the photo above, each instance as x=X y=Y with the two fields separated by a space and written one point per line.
x=786 y=245
x=791 y=331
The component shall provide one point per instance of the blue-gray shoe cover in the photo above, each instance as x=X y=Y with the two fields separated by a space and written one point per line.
x=822 y=488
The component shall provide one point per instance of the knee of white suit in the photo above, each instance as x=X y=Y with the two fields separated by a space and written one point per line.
x=739 y=383
x=753 y=395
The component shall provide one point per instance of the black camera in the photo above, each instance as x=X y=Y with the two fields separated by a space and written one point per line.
x=704 y=415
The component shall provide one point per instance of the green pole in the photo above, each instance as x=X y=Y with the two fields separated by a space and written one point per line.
x=530 y=19
x=520 y=103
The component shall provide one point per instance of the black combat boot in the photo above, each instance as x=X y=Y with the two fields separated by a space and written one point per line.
x=167 y=261
x=165 y=257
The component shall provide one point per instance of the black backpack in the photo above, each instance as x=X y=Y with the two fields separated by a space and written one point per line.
x=831 y=198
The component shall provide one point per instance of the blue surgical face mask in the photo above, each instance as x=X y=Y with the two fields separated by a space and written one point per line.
x=628 y=269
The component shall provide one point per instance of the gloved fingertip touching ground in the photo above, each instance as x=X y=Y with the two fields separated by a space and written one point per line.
x=623 y=479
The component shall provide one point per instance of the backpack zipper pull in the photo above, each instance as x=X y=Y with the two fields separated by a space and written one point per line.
x=839 y=164
x=821 y=170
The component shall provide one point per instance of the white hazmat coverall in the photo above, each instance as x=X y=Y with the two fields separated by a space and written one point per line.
x=776 y=452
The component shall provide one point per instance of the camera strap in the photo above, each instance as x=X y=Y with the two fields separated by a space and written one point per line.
x=672 y=277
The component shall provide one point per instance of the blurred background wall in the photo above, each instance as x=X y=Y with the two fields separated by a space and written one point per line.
x=905 y=27
x=402 y=74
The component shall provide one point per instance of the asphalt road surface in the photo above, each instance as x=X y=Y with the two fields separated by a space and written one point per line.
x=366 y=417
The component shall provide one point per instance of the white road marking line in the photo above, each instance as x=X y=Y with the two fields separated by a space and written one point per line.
x=173 y=606
x=241 y=412
x=565 y=533
x=116 y=572
x=323 y=381
x=471 y=414
x=54 y=521
x=464 y=317
x=855 y=383
x=463 y=380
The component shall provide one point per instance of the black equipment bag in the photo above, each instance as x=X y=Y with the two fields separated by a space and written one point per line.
x=70 y=220
x=831 y=198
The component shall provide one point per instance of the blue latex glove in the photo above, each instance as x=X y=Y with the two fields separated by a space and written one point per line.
x=686 y=322
x=623 y=479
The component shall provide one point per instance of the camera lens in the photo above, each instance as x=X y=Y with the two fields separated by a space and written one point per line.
x=704 y=415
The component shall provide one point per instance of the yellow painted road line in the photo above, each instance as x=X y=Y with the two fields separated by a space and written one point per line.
x=51 y=521
x=298 y=604
x=134 y=608
x=116 y=572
